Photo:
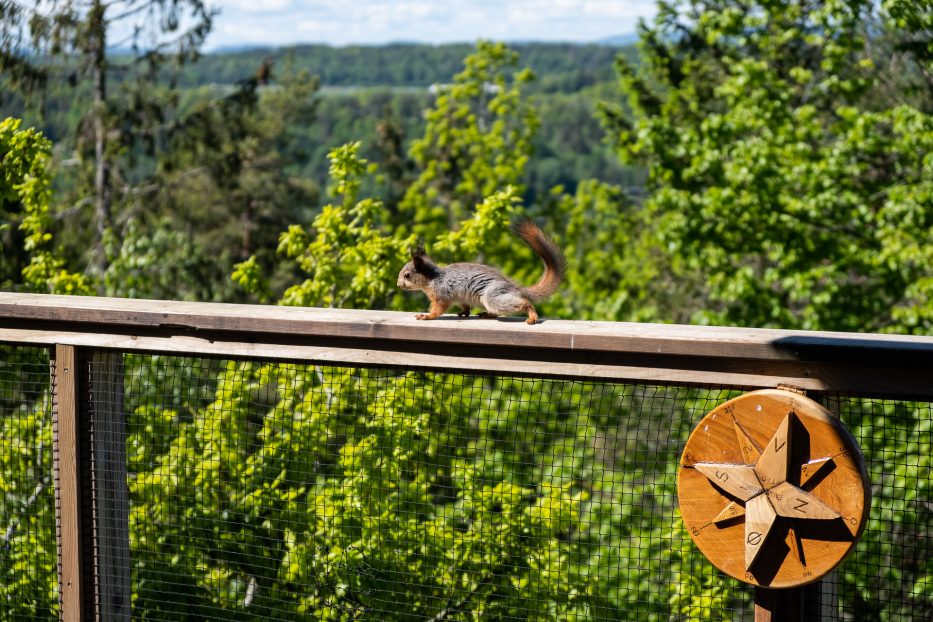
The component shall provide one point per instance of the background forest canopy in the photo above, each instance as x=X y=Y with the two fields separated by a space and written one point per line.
x=760 y=164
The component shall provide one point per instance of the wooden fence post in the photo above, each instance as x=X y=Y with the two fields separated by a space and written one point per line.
x=68 y=496
x=91 y=485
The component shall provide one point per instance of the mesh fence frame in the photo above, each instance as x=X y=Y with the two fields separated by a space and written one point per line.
x=28 y=552
x=289 y=491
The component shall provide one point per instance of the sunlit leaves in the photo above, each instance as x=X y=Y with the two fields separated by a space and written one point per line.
x=25 y=192
x=774 y=185
x=477 y=141
x=349 y=258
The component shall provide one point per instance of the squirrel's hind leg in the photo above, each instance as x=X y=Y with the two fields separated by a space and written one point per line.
x=532 y=314
x=464 y=311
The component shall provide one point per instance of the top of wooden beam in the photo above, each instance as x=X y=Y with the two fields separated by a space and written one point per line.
x=783 y=354
x=128 y=316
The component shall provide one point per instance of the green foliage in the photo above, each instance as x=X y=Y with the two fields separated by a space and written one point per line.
x=902 y=587
x=569 y=148
x=785 y=189
x=368 y=494
x=700 y=598
x=25 y=190
x=915 y=19
x=483 y=230
x=477 y=140
x=790 y=185
x=226 y=162
x=23 y=194
x=163 y=264
x=349 y=259
x=463 y=205
x=614 y=268
x=28 y=554
x=564 y=67
x=68 y=40
x=231 y=180
x=769 y=179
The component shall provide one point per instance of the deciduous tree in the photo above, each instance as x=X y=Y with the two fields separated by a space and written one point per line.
x=787 y=197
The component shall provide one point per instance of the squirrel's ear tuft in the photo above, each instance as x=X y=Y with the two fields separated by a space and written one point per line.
x=418 y=250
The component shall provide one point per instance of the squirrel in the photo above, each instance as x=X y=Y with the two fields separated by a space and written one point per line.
x=474 y=284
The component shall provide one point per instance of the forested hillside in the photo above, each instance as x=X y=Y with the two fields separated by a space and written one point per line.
x=560 y=67
x=313 y=98
x=363 y=88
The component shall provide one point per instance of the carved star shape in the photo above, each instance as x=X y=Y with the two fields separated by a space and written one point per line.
x=763 y=491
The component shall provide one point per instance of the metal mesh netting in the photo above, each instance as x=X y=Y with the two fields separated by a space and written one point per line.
x=282 y=491
x=28 y=555
x=272 y=491
x=889 y=575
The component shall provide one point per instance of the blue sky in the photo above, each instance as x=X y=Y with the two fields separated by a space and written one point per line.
x=341 y=22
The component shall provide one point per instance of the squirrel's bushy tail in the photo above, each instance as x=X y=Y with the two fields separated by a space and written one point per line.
x=554 y=262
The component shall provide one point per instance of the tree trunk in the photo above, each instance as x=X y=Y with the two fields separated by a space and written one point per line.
x=97 y=35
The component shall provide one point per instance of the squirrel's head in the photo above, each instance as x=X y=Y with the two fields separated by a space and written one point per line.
x=419 y=272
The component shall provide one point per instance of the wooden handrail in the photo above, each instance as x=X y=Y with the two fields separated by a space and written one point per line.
x=868 y=364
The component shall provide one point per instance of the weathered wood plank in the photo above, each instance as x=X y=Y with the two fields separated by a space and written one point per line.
x=67 y=483
x=878 y=365
x=161 y=317
x=741 y=374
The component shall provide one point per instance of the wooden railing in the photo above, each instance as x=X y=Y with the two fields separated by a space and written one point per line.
x=78 y=327
x=864 y=364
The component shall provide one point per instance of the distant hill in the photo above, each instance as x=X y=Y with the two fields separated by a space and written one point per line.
x=243 y=47
x=561 y=67
x=363 y=86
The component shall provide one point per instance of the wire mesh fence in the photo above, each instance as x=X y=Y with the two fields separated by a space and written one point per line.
x=28 y=558
x=889 y=575
x=293 y=491
x=285 y=491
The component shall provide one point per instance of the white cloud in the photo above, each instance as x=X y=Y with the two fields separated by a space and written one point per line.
x=340 y=22
x=402 y=11
x=612 y=9
x=314 y=25
x=253 y=6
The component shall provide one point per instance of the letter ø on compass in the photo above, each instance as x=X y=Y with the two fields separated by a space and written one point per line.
x=773 y=489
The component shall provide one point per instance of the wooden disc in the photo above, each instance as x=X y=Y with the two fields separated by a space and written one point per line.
x=773 y=489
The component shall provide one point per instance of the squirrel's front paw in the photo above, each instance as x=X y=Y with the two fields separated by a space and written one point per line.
x=422 y=316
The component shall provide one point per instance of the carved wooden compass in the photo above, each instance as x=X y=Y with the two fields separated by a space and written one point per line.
x=773 y=489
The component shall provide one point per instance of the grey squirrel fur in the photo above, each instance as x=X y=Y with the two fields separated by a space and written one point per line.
x=475 y=284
